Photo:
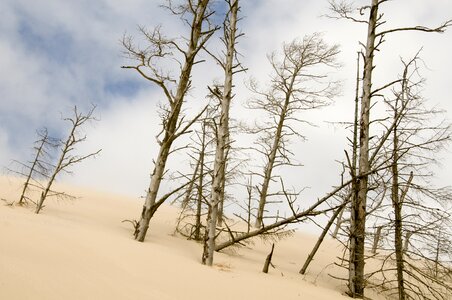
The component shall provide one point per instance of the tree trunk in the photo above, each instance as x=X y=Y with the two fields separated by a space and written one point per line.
x=338 y=224
x=437 y=250
x=222 y=139
x=358 y=211
x=32 y=168
x=322 y=236
x=170 y=127
x=310 y=211
x=197 y=233
x=272 y=155
x=406 y=243
x=397 y=210
x=398 y=234
x=268 y=260
x=376 y=239
x=59 y=166
x=221 y=208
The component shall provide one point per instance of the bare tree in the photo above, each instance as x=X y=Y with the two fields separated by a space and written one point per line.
x=196 y=14
x=296 y=217
x=67 y=159
x=322 y=236
x=358 y=213
x=268 y=260
x=39 y=167
x=194 y=197
x=230 y=67
x=419 y=132
x=298 y=83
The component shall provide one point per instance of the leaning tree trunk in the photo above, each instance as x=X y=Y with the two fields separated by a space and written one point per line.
x=59 y=166
x=170 y=126
x=197 y=232
x=39 y=151
x=222 y=140
x=272 y=155
x=320 y=239
x=358 y=211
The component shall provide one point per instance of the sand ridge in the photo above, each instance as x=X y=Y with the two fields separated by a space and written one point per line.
x=82 y=250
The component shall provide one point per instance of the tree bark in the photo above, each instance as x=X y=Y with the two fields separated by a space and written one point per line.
x=197 y=233
x=358 y=212
x=222 y=195
x=268 y=260
x=33 y=166
x=322 y=236
x=376 y=239
x=271 y=158
x=170 y=127
x=68 y=143
x=338 y=224
x=310 y=211
x=222 y=139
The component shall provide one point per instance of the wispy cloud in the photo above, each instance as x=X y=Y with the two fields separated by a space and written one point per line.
x=54 y=54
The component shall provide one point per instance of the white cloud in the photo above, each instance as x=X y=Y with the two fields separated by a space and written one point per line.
x=126 y=133
x=34 y=85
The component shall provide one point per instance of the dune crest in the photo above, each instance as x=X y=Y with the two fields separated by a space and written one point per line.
x=81 y=250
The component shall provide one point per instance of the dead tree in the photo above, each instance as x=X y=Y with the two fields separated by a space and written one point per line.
x=230 y=67
x=406 y=145
x=268 y=260
x=358 y=213
x=377 y=237
x=413 y=140
x=194 y=198
x=298 y=83
x=197 y=15
x=352 y=162
x=39 y=167
x=296 y=217
x=322 y=236
x=67 y=158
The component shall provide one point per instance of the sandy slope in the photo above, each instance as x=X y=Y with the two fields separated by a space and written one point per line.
x=81 y=250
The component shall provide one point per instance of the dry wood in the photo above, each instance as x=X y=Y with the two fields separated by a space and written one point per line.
x=296 y=86
x=218 y=180
x=67 y=159
x=322 y=236
x=310 y=211
x=173 y=125
x=268 y=260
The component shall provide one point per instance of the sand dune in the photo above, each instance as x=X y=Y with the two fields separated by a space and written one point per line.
x=81 y=250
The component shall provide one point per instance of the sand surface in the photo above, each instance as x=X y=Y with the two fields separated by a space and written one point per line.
x=81 y=250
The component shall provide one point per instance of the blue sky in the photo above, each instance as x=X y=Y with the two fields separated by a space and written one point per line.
x=56 y=54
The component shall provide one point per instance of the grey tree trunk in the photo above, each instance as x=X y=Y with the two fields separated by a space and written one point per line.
x=322 y=236
x=222 y=195
x=223 y=137
x=68 y=143
x=338 y=224
x=39 y=151
x=397 y=209
x=271 y=158
x=268 y=260
x=376 y=239
x=310 y=211
x=198 y=225
x=150 y=205
x=358 y=211
x=67 y=158
x=406 y=243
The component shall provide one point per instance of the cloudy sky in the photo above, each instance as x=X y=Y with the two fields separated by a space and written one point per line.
x=56 y=54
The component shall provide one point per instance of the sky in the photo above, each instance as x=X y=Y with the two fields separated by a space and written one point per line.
x=57 y=54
